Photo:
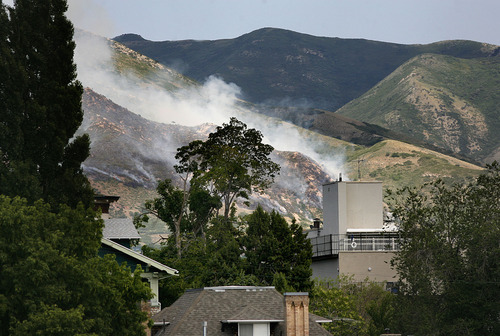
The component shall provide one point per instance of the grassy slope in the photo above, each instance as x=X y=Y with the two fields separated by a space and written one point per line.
x=450 y=102
x=151 y=72
x=400 y=165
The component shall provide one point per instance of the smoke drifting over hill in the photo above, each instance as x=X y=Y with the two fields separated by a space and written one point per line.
x=215 y=101
x=212 y=102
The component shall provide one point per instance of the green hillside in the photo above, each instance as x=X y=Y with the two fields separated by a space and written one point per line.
x=279 y=66
x=449 y=102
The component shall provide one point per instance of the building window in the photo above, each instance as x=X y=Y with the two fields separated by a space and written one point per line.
x=253 y=329
x=245 y=329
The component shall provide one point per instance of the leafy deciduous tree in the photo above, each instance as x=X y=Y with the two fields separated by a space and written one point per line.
x=356 y=308
x=449 y=258
x=330 y=301
x=169 y=208
x=186 y=213
x=231 y=163
x=50 y=272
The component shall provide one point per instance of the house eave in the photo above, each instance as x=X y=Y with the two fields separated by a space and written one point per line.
x=140 y=257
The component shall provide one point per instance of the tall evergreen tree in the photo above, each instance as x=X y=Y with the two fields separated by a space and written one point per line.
x=15 y=175
x=43 y=108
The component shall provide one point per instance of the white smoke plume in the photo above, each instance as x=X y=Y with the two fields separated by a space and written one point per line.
x=215 y=101
x=212 y=102
x=89 y=14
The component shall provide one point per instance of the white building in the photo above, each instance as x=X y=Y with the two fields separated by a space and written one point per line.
x=355 y=238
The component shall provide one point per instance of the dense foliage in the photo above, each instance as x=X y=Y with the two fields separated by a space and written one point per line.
x=272 y=246
x=258 y=249
x=449 y=259
x=40 y=102
x=364 y=308
x=53 y=283
x=230 y=164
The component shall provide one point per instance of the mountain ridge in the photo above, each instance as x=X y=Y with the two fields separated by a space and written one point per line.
x=273 y=65
x=121 y=138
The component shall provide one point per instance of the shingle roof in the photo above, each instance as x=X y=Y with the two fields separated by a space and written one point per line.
x=249 y=313
x=223 y=307
x=120 y=228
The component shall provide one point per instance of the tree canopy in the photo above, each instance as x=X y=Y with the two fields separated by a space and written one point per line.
x=231 y=163
x=40 y=100
x=53 y=283
x=449 y=258
x=364 y=308
x=232 y=254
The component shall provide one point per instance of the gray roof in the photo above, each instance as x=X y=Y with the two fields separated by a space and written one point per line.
x=223 y=307
x=120 y=228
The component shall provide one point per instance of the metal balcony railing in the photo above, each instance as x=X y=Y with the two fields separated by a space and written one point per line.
x=330 y=245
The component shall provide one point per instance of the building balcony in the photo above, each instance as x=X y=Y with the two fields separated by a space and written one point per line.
x=329 y=246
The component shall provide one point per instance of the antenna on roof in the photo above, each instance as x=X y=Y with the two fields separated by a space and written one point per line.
x=340 y=177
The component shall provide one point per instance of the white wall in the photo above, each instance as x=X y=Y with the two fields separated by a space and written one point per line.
x=352 y=205
x=374 y=265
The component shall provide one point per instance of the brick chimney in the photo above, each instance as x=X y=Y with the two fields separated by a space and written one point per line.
x=297 y=314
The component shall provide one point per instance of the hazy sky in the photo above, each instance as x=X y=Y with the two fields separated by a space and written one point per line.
x=400 y=21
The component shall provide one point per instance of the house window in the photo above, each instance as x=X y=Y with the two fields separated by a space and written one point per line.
x=245 y=330
x=253 y=329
